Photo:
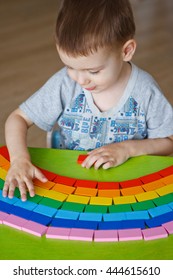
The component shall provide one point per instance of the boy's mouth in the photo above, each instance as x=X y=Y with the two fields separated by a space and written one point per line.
x=92 y=88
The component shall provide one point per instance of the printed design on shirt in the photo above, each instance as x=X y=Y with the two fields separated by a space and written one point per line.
x=83 y=129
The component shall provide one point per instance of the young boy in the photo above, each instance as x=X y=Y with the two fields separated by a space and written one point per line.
x=101 y=101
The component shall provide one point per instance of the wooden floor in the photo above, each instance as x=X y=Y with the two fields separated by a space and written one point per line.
x=28 y=56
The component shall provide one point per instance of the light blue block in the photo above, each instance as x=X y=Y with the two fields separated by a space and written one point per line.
x=170 y=205
x=8 y=200
x=95 y=217
x=65 y=214
x=137 y=215
x=26 y=204
x=113 y=217
x=45 y=210
x=159 y=210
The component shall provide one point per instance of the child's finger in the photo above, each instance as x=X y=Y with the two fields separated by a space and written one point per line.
x=23 y=192
x=30 y=187
x=40 y=176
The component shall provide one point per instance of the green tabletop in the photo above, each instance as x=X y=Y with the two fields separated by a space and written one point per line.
x=15 y=244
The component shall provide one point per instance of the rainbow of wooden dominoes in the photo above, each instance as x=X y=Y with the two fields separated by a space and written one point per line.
x=73 y=209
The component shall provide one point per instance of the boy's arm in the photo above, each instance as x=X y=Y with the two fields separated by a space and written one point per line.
x=117 y=153
x=21 y=171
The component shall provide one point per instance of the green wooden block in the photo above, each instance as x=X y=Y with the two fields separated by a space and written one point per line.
x=96 y=209
x=51 y=202
x=1 y=184
x=36 y=199
x=120 y=208
x=144 y=205
x=71 y=206
x=163 y=199
x=17 y=192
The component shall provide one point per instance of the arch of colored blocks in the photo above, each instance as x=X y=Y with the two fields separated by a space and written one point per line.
x=69 y=208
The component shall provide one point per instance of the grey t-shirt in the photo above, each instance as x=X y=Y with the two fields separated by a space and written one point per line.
x=142 y=112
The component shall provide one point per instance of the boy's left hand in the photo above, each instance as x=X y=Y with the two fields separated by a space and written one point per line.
x=107 y=156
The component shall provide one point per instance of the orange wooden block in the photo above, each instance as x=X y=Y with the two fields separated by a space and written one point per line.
x=132 y=190
x=153 y=185
x=109 y=193
x=167 y=180
x=3 y=161
x=63 y=188
x=86 y=191
x=47 y=185
x=6 y=167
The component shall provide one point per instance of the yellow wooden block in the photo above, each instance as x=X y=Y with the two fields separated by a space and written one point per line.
x=153 y=185
x=165 y=190
x=124 y=199
x=56 y=195
x=101 y=200
x=146 y=196
x=40 y=191
x=167 y=180
x=3 y=173
x=78 y=199
x=132 y=191
x=86 y=191
x=109 y=193
x=63 y=189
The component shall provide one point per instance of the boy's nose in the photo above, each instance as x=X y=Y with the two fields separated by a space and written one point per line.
x=81 y=79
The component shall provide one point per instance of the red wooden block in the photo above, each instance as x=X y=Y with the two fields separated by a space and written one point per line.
x=131 y=183
x=4 y=152
x=166 y=172
x=85 y=184
x=81 y=158
x=108 y=185
x=49 y=175
x=150 y=178
x=65 y=180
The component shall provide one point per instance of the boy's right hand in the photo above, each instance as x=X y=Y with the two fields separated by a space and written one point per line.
x=21 y=174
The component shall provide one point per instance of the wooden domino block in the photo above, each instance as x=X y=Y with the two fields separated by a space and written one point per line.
x=109 y=193
x=58 y=233
x=108 y=185
x=34 y=228
x=167 y=180
x=3 y=173
x=63 y=188
x=105 y=235
x=4 y=152
x=81 y=234
x=56 y=195
x=130 y=183
x=78 y=199
x=3 y=161
x=85 y=184
x=132 y=191
x=165 y=190
x=15 y=221
x=150 y=178
x=90 y=217
x=146 y=196
x=124 y=199
x=154 y=233
x=47 y=185
x=101 y=201
x=65 y=180
x=3 y=216
x=65 y=214
x=169 y=227
x=85 y=191
x=81 y=158
x=130 y=234
x=153 y=185
x=166 y=171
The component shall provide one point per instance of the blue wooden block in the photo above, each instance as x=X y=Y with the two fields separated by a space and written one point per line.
x=8 y=200
x=41 y=219
x=128 y=224
x=45 y=210
x=113 y=217
x=110 y=225
x=26 y=204
x=21 y=212
x=97 y=217
x=64 y=223
x=65 y=214
x=5 y=207
x=159 y=220
x=137 y=215
x=159 y=210
x=86 y=224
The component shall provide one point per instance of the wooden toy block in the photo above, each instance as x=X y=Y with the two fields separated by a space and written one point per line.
x=167 y=180
x=8 y=200
x=169 y=227
x=4 y=152
x=81 y=234
x=49 y=175
x=86 y=224
x=108 y=186
x=45 y=210
x=86 y=191
x=137 y=215
x=159 y=220
x=144 y=205
x=96 y=209
x=39 y=191
x=36 y=198
x=26 y=204
x=130 y=234
x=3 y=173
x=132 y=191
x=3 y=161
x=71 y=206
x=120 y=208
x=150 y=178
x=109 y=193
x=6 y=167
x=3 y=216
x=90 y=217
x=81 y=158
x=40 y=218
x=47 y=185
x=63 y=189
x=165 y=199
x=56 y=195
x=34 y=228
x=153 y=185
x=154 y=233
x=78 y=199
x=124 y=199
x=170 y=205
x=62 y=223
x=65 y=214
x=130 y=183
x=157 y=211
x=146 y=196
x=58 y=233
x=113 y=217
x=86 y=184
x=127 y=224
x=101 y=201
x=1 y=184
x=65 y=180
x=51 y=202
x=15 y=221
x=167 y=171
x=5 y=207
x=105 y=235
x=110 y=225
x=21 y=212
x=165 y=190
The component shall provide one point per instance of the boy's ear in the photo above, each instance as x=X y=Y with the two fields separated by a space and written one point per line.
x=128 y=50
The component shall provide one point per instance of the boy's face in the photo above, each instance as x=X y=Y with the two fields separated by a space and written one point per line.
x=97 y=72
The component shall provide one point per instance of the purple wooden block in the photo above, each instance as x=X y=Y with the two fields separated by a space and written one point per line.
x=130 y=234
x=58 y=233
x=15 y=221
x=106 y=235
x=34 y=228
x=154 y=233
x=169 y=227
x=3 y=216
x=81 y=234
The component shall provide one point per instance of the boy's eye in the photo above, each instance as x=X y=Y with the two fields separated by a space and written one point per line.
x=94 y=72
